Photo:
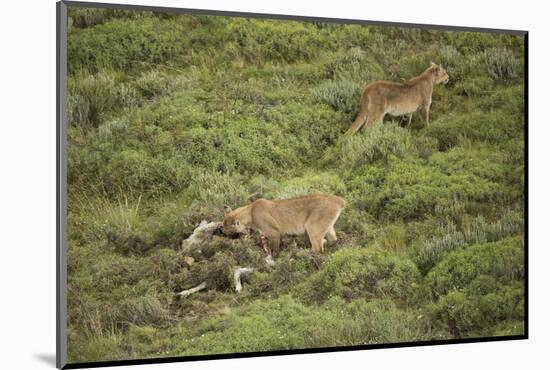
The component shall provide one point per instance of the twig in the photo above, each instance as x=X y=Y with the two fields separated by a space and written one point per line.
x=188 y=292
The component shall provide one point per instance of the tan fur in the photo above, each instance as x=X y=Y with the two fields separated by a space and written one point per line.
x=397 y=99
x=314 y=214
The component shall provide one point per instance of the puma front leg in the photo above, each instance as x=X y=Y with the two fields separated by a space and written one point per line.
x=425 y=114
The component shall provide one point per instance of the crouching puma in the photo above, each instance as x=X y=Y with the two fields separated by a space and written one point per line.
x=314 y=214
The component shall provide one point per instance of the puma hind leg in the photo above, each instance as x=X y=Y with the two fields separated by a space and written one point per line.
x=316 y=236
x=358 y=123
x=331 y=234
x=317 y=229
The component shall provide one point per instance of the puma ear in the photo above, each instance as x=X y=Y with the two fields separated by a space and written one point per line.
x=227 y=209
x=432 y=64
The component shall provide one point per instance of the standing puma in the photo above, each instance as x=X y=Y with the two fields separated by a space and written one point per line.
x=314 y=214
x=384 y=97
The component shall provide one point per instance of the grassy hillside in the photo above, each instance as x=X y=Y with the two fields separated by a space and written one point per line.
x=172 y=116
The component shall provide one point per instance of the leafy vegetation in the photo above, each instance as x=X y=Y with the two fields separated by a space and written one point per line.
x=173 y=116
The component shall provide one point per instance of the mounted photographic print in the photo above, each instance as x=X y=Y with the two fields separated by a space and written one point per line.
x=235 y=185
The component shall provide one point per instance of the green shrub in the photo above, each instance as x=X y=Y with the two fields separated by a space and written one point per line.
x=355 y=65
x=479 y=231
x=451 y=59
x=355 y=272
x=413 y=65
x=342 y=95
x=387 y=48
x=145 y=339
x=408 y=190
x=472 y=42
x=510 y=328
x=94 y=98
x=152 y=83
x=293 y=268
x=309 y=73
x=425 y=146
x=217 y=190
x=503 y=260
x=317 y=125
x=450 y=210
x=501 y=64
x=479 y=315
x=89 y=17
x=262 y=40
x=136 y=170
x=239 y=147
x=284 y=323
x=113 y=130
x=126 y=45
x=378 y=143
x=493 y=127
x=483 y=161
x=323 y=182
x=367 y=322
x=475 y=87
x=510 y=101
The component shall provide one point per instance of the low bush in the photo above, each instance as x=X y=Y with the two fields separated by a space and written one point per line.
x=483 y=161
x=317 y=125
x=269 y=40
x=135 y=170
x=378 y=143
x=479 y=231
x=452 y=60
x=503 y=260
x=113 y=130
x=89 y=17
x=293 y=268
x=355 y=272
x=466 y=315
x=493 y=127
x=323 y=182
x=240 y=147
x=284 y=323
x=355 y=65
x=126 y=45
x=475 y=87
x=342 y=95
x=217 y=190
x=501 y=64
x=410 y=190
